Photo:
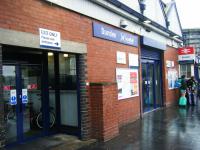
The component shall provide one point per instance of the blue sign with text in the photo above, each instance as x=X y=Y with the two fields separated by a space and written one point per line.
x=13 y=100
x=105 y=32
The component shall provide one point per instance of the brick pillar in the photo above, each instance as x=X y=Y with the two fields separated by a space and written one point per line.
x=2 y=123
x=83 y=97
x=104 y=115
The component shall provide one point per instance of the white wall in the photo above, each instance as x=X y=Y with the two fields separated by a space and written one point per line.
x=174 y=23
x=154 y=12
x=134 y=4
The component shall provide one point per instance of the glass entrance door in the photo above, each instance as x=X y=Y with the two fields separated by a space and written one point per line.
x=147 y=86
x=151 y=86
x=22 y=99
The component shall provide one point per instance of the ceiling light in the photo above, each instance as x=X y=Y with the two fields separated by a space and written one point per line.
x=175 y=36
x=65 y=55
x=147 y=21
x=50 y=54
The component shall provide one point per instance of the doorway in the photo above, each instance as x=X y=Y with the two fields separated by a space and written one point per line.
x=151 y=85
x=39 y=93
x=22 y=100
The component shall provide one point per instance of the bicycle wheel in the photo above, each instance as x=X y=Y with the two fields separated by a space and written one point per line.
x=52 y=119
x=11 y=115
x=39 y=120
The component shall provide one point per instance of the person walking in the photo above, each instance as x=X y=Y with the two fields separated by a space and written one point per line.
x=191 y=87
x=183 y=88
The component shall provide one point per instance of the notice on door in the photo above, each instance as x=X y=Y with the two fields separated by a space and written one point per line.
x=24 y=96
x=13 y=97
x=127 y=82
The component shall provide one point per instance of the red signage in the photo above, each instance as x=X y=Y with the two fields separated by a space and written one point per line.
x=186 y=50
x=32 y=86
x=6 y=87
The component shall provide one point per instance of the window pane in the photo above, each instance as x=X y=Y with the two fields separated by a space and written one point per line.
x=67 y=72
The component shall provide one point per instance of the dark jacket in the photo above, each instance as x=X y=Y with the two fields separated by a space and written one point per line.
x=191 y=85
x=183 y=84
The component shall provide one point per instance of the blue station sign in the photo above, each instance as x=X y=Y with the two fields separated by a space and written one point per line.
x=108 y=33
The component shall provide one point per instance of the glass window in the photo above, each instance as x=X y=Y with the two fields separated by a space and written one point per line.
x=185 y=69
x=67 y=68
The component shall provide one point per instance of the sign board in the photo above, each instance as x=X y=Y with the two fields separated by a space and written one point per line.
x=108 y=33
x=24 y=96
x=127 y=83
x=186 y=53
x=49 y=39
x=121 y=57
x=133 y=60
x=13 y=97
x=169 y=63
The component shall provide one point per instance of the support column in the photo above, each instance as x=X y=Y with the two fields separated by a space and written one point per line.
x=84 y=109
x=2 y=122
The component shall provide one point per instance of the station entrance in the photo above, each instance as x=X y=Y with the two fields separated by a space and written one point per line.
x=39 y=93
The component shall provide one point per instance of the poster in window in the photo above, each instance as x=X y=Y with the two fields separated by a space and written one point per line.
x=127 y=83
x=172 y=76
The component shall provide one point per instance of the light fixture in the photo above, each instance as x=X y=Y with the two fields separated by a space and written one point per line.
x=50 y=54
x=123 y=23
x=175 y=36
x=147 y=21
x=65 y=55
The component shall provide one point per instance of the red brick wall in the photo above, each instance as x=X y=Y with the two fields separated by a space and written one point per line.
x=104 y=114
x=30 y=15
x=170 y=95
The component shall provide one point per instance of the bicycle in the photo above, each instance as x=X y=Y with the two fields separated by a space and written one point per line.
x=52 y=119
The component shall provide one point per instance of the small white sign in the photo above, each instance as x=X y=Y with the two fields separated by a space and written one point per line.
x=49 y=38
x=169 y=63
x=24 y=96
x=133 y=60
x=121 y=57
x=13 y=97
x=186 y=57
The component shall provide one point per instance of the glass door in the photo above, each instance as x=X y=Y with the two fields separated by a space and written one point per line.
x=148 y=86
x=10 y=102
x=158 y=87
x=31 y=100
x=22 y=100
x=151 y=86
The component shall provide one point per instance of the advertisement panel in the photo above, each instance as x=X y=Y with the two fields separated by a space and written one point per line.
x=127 y=83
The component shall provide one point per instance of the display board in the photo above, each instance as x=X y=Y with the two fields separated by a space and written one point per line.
x=172 y=76
x=127 y=83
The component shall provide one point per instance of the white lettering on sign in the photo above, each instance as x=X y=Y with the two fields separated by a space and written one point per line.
x=49 y=38
x=126 y=39
x=108 y=33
